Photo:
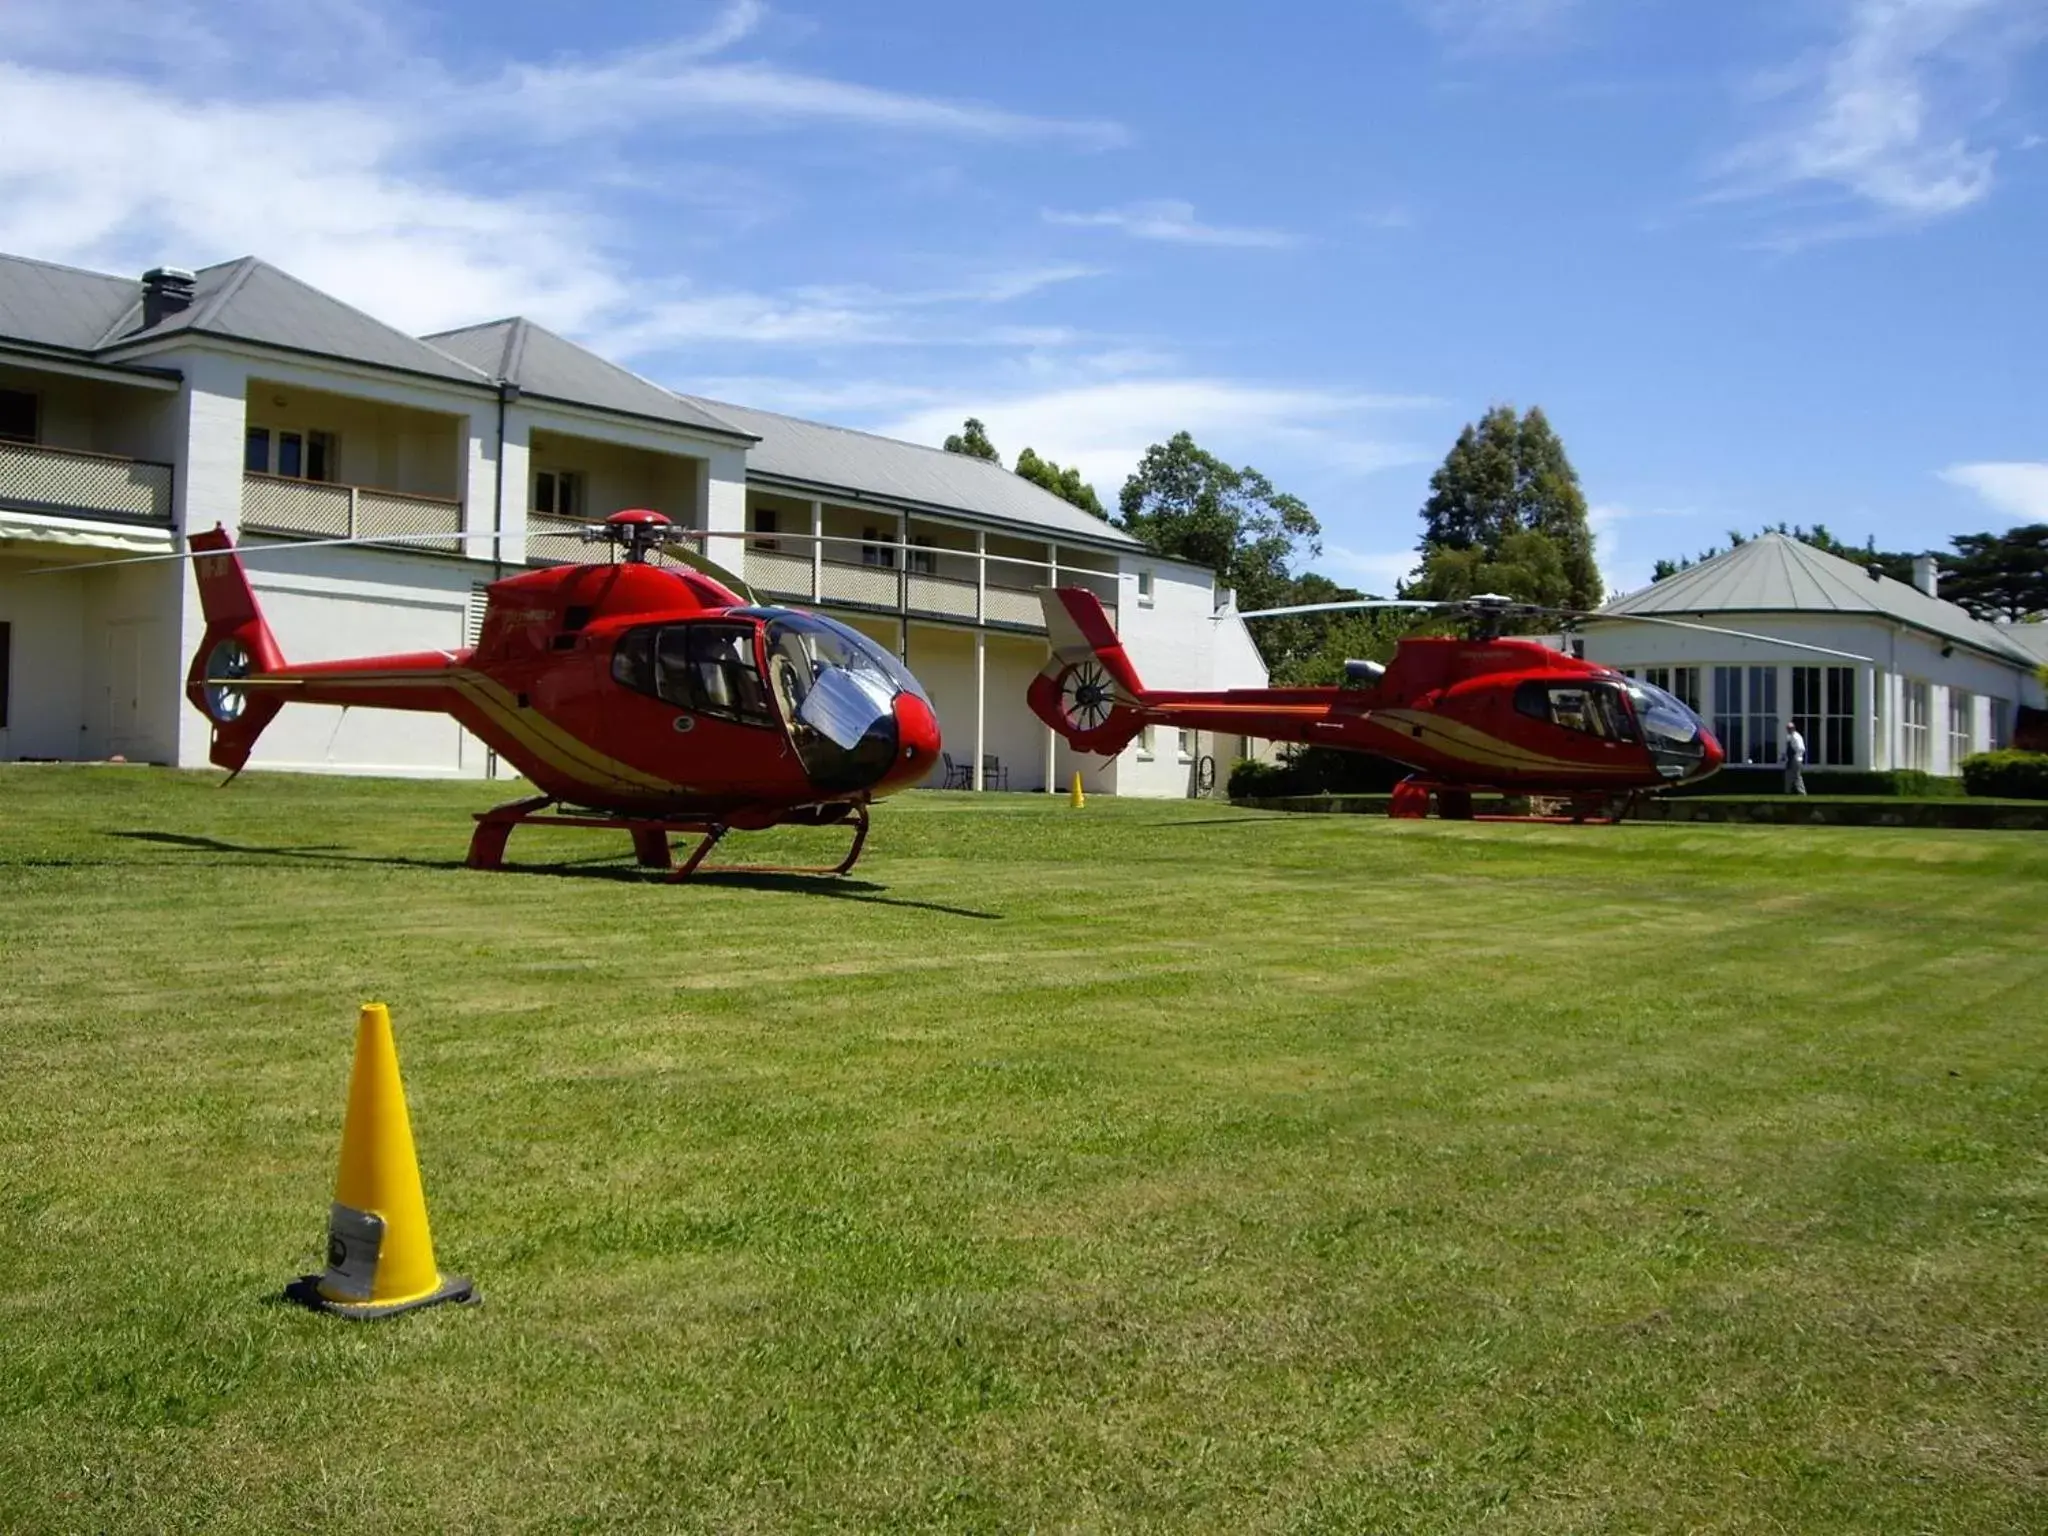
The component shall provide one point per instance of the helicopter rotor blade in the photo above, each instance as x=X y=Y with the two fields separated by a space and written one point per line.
x=1576 y=615
x=711 y=568
x=245 y=551
x=1364 y=602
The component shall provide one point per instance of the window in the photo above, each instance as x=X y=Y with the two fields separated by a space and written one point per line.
x=1728 y=718
x=1145 y=745
x=1187 y=746
x=874 y=552
x=1594 y=709
x=1746 y=713
x=922 y=559
x=1913 y=745
x=766 y=521
x=6 y=654
x=558 y=492
x=1962 y=723
x=706 y=668
x=1682 y=683
x=17 y=416
x=294 y=455
x=1824 y=710
x=1145 y=589
x=2001 y=724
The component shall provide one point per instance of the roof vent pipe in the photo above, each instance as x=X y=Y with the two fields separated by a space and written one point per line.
x=1925 y=576
x=165 y=291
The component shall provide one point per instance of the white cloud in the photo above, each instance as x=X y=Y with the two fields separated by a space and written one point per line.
x=2017 y=490
x=1377 y=573
x=1169 y=220
x=1105 y=427
x=1884 y=118
x=365 y=179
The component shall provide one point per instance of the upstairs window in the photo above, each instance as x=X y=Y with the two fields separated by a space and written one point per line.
x=558 y=493
x=874 y=552
x=294 y=455
x=1144 y=589
x=18 y=416
x=768 y=521
x=922 y=558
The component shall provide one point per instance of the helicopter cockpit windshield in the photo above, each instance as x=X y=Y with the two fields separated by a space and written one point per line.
x=837 y=690
x=1675 y=735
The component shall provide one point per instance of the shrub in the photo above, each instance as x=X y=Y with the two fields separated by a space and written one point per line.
x=1257 y=781
x=2008 y=775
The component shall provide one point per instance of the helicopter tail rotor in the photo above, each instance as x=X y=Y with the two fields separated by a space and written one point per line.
x=1088 y=691
x=238 y=645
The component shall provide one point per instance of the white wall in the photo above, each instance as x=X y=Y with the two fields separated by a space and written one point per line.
x=329 y=605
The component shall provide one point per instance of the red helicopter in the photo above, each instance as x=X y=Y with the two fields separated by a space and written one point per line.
x=636 y=696
x=1483 y=713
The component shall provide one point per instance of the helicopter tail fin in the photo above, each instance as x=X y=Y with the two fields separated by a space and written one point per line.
x=1088 y=691
x=238 y=644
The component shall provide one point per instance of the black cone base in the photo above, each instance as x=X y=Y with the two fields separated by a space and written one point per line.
x=306 y=1292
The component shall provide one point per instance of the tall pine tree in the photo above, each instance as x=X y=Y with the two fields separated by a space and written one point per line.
x=1505 y=513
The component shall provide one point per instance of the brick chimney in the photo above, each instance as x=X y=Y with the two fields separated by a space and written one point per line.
x=165 y=292
x=1925 y=576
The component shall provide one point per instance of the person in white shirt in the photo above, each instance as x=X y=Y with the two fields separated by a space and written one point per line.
x=1795 y=760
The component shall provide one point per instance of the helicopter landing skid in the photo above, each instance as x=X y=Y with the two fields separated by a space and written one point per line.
x=650 y=834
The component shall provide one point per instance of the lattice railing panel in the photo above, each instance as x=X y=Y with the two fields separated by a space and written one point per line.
x=875 y=585
x=381 y=513
x=1007 y=605
x=65 y=480
x=941 y=595
x=278 y=504
x=772 y=570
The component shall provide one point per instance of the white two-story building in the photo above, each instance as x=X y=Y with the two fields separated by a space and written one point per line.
x=1918 y=683
x=136 y=410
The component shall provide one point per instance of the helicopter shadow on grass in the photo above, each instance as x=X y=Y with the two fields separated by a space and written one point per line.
x=600 y=867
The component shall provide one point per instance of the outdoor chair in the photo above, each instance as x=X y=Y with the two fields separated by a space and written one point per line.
x=993 y=774
x=958 y=775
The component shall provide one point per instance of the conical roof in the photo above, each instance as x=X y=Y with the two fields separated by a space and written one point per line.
x=1775 y=573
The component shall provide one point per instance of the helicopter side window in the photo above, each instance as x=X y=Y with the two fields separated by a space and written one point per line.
x=1593 y=710
x=633 y=661
x=722 y=676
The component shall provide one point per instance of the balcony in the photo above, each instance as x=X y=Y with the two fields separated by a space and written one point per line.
x=1000 y=592
x=77 y=484
x=324 y=510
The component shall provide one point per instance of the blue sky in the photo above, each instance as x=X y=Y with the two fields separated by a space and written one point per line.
x=1758 y=259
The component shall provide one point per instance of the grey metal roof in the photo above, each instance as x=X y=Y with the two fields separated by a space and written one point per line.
x=1775 y=573
x=250 y=300
x=812 y=453
x=2031 y=638
x=52 y=306
x=547 y=366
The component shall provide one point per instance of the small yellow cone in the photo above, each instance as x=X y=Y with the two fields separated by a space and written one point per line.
x=380 y=1255
x=1074 y=797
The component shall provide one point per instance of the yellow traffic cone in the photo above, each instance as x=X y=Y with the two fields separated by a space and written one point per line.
x=380 y=1256
x=1075 y=798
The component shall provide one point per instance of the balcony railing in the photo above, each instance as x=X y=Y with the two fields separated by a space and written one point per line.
x=321 y=509
x=76 y=484
x=1003 y=596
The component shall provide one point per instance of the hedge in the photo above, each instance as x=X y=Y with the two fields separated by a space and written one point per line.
x=1898 y=783
x=1316 y=771
x=2007 y=775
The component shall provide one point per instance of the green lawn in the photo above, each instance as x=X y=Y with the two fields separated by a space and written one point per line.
x=1153 y=1166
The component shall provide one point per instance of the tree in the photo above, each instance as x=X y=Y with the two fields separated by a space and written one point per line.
x=1189 y=505
x=1506 y=500
x=1066 y=484
x=2000 y=576
x=972 y=440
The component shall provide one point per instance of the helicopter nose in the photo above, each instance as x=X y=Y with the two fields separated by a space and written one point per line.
x=1711 y=756
x=917 y=744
